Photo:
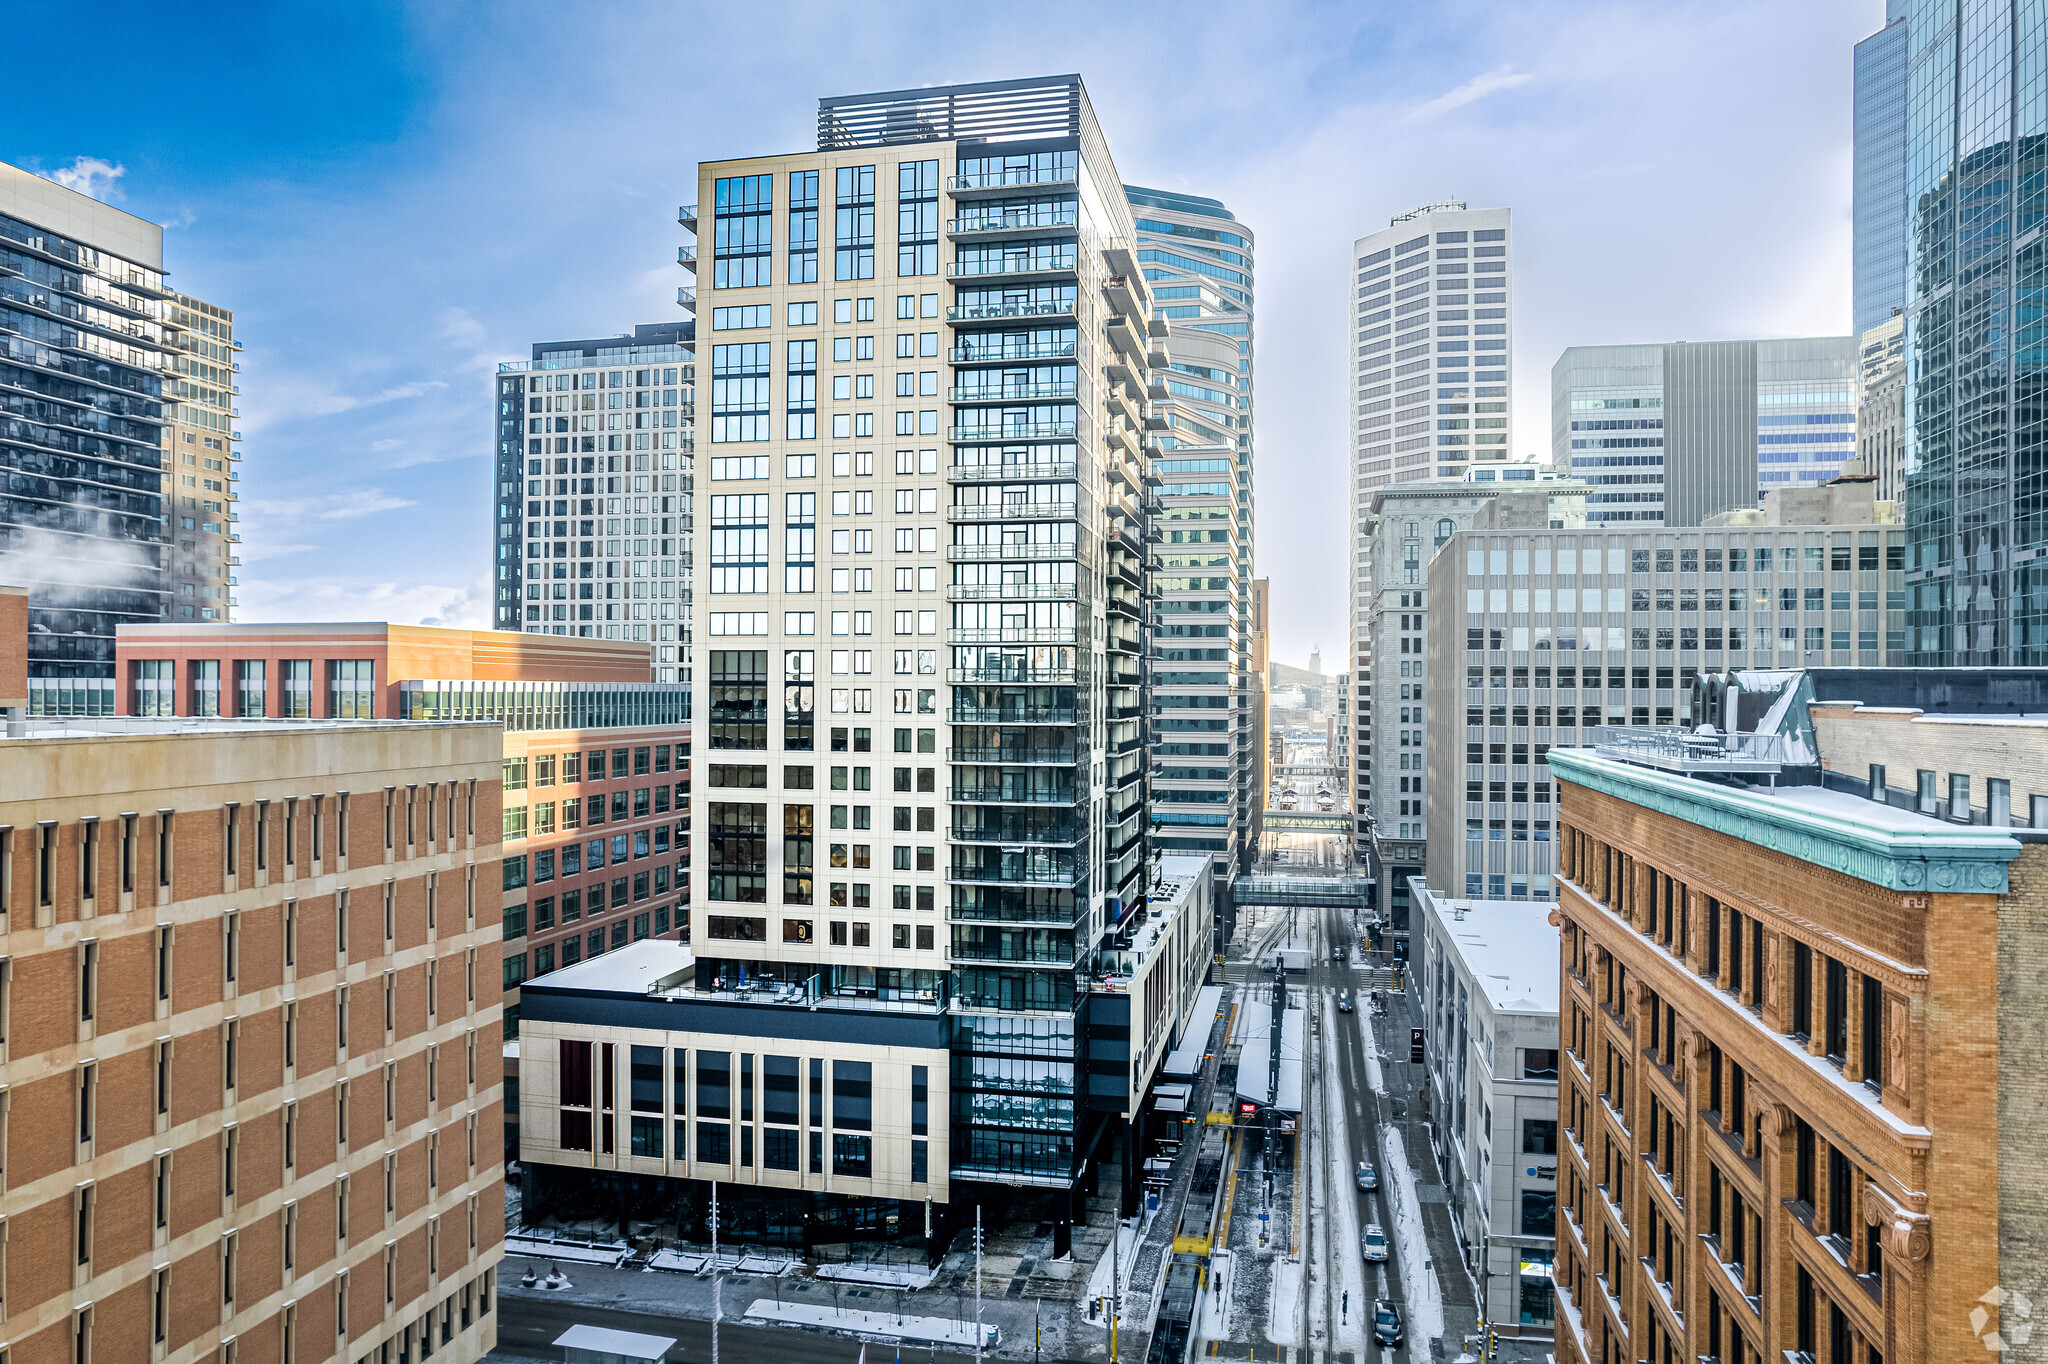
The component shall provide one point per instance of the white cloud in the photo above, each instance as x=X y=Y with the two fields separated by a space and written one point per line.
x=1478 y=88
x=387 y=443
x=91 y=175
x=341 y=506
x=456 y=605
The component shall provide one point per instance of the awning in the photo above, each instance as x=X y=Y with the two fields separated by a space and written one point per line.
x=1293 y=1032
x=1171 y=1098
x=1185 y=1063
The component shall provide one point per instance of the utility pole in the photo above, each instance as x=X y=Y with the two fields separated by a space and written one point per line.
x=717 y=1276
x=979 y=1334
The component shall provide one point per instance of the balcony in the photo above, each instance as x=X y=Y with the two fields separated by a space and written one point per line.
x=1047 y=634
x=994 y=182
x=999 y=312
x=1038 y=550
x=997 y=353
x=1012 y=793
x=1011 y=472
x=1017 y=511
x=1014 y=711
x=1014 y=393
x=686 y=256
x=1019 y=827
x=1024 y=222
x=1011 y=592
x=1016 y=754
x=686 y=297
x=1010 y=674
x=687 y=216
x=1012 y=267
x=1023 y=867
x=968 y=435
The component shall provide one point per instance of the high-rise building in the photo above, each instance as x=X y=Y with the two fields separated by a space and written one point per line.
x=1430 y=383
x=1543 y=634
x=252 y=1067
x=1672 y=434
x=932 y=351
x=596 y=464
x=1197 y=260
x=201 y=387
x=1410 y=523
x=1879 y=210
x=1976 y=502
x=83 y=346
x=1801 y=1090
x=1881 y=407
x=1259 y=635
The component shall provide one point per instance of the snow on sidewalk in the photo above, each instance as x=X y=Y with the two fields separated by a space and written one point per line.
x=880 y=1276
x=925 y=1330
x=1100 y=1282
x=1418 y=1271
x=1346 y=1257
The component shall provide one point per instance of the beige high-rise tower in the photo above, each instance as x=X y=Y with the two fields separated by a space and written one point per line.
x=201 y=386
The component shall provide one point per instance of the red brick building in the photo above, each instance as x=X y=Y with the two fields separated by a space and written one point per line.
x=249 y=1098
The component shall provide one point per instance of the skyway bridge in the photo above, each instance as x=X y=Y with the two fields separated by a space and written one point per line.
x=1337 y=822
x=1335 y=892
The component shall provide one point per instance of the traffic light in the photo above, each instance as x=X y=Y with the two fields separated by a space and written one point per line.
x=1415 y=1045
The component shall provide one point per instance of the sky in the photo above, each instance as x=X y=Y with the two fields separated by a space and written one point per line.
x=393 y=199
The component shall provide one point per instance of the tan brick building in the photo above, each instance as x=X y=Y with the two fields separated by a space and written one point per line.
x=1802 y=1021
x=249 y=1030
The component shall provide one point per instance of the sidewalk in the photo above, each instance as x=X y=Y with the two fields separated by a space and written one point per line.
x=1447 y=1256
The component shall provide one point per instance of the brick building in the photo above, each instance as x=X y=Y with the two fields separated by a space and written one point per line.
x=595 y=765
x=248 y=1102
x=1802 y=1094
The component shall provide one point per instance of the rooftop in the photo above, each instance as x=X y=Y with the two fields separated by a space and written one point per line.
x=638 y=968
x=133 y=726
x=1509 y=947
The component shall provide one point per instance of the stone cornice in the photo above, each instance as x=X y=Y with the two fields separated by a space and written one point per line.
x=1943 y=859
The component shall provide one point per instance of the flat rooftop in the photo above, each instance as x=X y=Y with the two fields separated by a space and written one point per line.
x=1508 y=947
x=637 y=968
x=41 y=728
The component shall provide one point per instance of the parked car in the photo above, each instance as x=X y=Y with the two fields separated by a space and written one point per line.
x=1374 y=1244
x=1368 y=1178
x=1386 y=1324
x=1343 y=1001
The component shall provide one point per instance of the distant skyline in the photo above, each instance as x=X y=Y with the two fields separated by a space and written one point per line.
x=395 y=199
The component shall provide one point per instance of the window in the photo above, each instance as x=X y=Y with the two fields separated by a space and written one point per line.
x=854 y=223
x=803 y=241
x=739 y=392
x=743 y=232
x=351 y=688
x=917 y=220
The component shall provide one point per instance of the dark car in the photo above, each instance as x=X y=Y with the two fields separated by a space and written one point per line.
x=1343 y=1001
x=1337 y=954
x=1386 y=1324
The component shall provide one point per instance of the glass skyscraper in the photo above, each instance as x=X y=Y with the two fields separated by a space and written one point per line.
x=1977 y=431
x=1880 y=171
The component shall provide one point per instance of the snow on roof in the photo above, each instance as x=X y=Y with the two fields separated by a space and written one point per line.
x=1508 y=947
x=1186 y=1059
x=632 y=969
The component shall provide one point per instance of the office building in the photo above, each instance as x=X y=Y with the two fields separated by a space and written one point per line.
x=1974 y=503
x=1542 y=639
x=1259 y=635
x=1881 y=407
x=82 y=339
x=1801 y=1092
x=1668 y=435
x=595 y=762
x=1197 y=261
x=252 y=1077
x=1879 y=210
x=1485 y=976
x=932 y=350
x=201 y=455
x=1430 y=383
x=595 y=469
x=1409 y=524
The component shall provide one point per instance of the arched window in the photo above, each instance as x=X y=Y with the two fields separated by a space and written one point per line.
x=1445 y=529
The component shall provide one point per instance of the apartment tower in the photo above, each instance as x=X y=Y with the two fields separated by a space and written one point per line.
x=594 y=521
x=201 y=386
x=932 y=351
x=84 y=331
x=1197 y=260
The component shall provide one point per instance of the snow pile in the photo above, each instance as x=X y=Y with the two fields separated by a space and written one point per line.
x=1107 y=1279
x=1418 y=1272
x=931 y=1330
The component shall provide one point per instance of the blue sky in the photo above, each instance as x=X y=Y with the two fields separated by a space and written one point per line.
x=393 y=199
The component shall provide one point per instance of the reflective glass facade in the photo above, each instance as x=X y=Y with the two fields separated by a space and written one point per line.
x=81 y=430
x=1977 y=432
x=1880 y=171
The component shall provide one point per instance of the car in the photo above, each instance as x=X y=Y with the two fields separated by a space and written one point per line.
x=1386 y=1324
x=1368 y=1178
x=1337 y=955
x=1373 y=1242
x=1343 y=1001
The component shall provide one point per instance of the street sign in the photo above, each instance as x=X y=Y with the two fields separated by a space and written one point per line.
x=1415 y=1045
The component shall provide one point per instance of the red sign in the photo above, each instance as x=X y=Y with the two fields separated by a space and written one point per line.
x=1247 y=1107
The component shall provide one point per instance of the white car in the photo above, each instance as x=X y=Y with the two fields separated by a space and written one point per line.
x=1374 y=1244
